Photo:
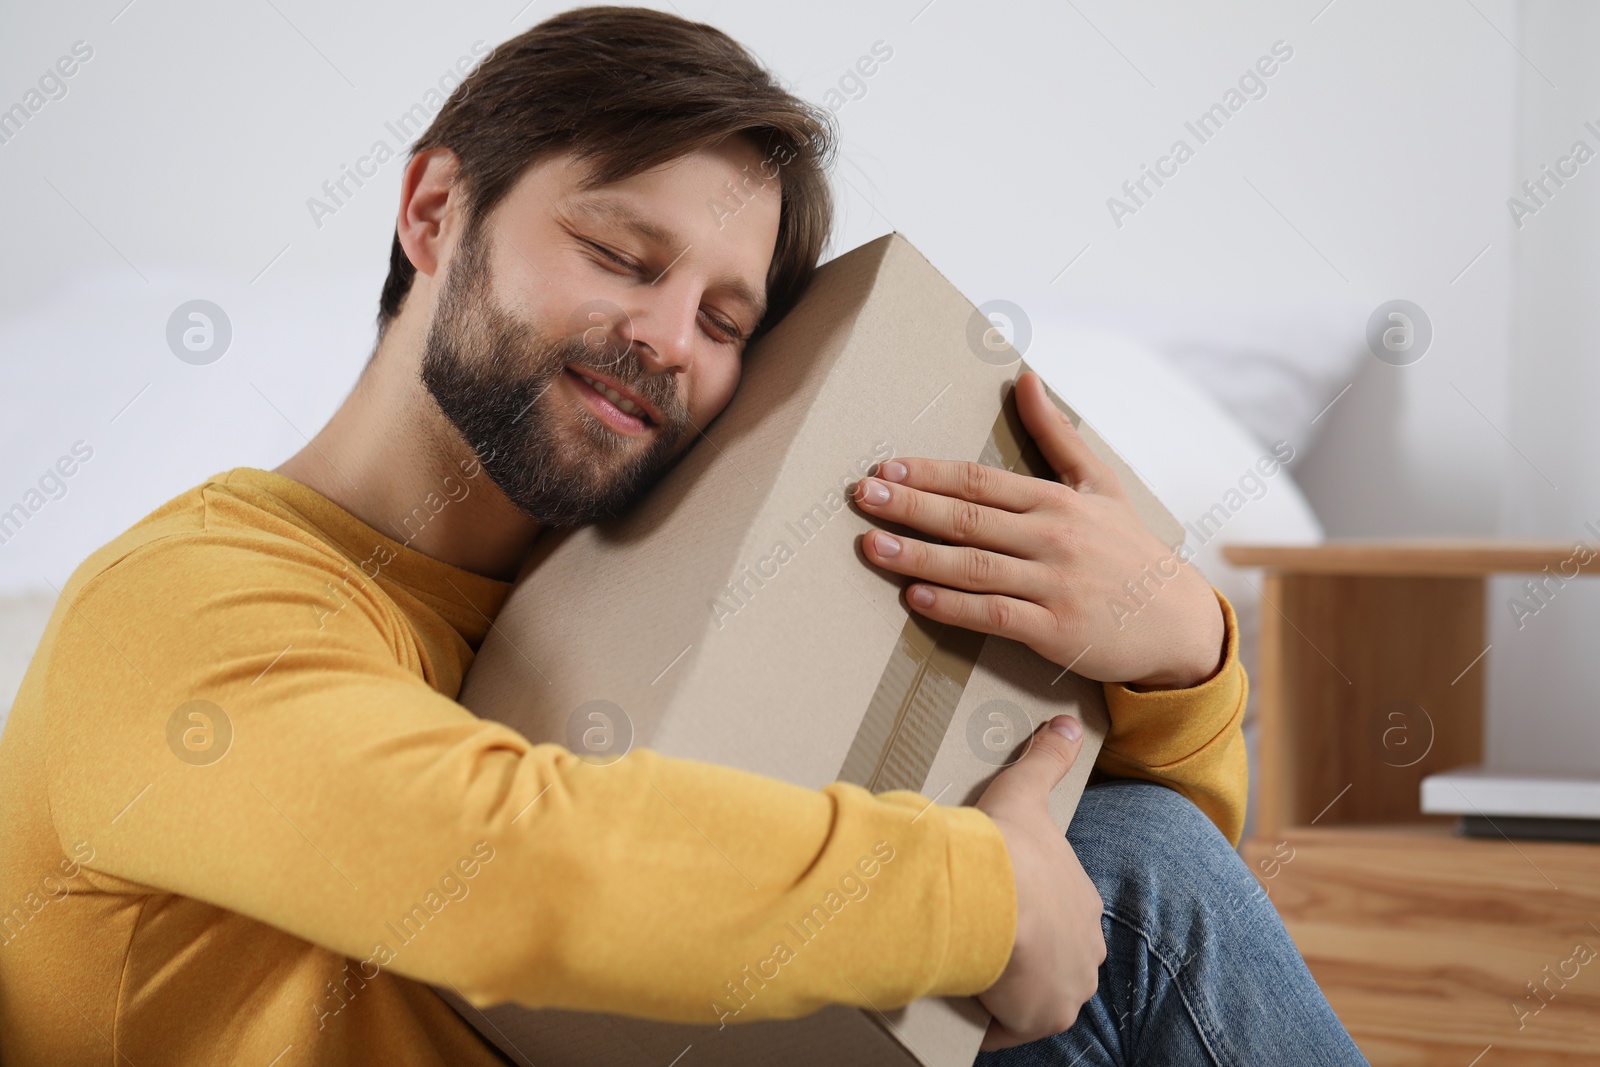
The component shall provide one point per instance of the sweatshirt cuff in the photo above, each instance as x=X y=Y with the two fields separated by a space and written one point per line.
x=983 y=905
x=1223 y=690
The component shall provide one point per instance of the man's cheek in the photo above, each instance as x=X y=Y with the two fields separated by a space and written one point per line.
x=717 y=391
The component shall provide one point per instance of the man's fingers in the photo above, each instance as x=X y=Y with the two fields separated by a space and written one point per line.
x=988 y=613
x=1059 y=442
x=993 y=487
x=998 y=1037
x=974 y=570
x=950 y=518
x=1049 y=757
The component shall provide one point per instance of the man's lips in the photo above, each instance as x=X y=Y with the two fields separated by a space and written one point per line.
x=611 y=410
x=641 y=408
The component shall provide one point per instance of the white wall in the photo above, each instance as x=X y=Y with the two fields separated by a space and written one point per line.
x=193 y=138
x=1546 y=683
x=1376 y=167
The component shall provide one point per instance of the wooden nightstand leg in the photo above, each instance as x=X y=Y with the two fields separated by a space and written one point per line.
x=1274 y=763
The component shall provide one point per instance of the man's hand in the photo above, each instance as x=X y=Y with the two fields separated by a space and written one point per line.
x=1055 y=961
x=1045 y=562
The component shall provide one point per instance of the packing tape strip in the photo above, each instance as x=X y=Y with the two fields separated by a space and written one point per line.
x=928 y=669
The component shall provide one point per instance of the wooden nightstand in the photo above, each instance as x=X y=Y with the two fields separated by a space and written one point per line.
x=1433 y=949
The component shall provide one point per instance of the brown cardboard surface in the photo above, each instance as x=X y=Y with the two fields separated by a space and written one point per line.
x=763 y=640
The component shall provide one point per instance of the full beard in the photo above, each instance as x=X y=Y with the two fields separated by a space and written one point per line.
x=489 y=372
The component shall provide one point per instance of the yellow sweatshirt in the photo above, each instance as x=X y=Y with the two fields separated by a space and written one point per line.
x=244 y=820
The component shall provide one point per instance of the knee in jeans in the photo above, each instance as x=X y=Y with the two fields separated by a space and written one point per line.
x=1145 y=810
x=1135 y=824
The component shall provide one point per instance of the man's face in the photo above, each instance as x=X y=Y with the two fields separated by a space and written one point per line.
x=581 y=339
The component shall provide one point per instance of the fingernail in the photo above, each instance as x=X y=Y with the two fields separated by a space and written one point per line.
x=874 y=492
x=1067 y=727
x=887 y=545
x=921 y=596
x=894 y=471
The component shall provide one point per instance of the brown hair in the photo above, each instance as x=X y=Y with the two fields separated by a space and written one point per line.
x=627 y=89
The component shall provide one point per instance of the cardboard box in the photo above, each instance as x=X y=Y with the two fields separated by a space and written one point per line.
x=763 y=640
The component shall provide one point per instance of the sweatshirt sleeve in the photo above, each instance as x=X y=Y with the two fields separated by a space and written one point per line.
x=1188 y=739
x=357 y=808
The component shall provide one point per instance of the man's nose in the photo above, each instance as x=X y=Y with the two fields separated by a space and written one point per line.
x=665 y=324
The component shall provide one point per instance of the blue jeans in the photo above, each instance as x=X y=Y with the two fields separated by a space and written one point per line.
x=1199 y=969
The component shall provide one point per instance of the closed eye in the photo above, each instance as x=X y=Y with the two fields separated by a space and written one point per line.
x=614 y=257
x=732 y=334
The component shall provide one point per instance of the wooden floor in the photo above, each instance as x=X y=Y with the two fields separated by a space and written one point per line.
x=1435 y=949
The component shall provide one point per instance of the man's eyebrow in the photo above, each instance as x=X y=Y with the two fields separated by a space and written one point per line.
x=750 y=298
x=624 y=215
x=618 y=212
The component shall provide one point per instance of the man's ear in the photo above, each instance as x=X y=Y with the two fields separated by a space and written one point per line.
x=429 y=208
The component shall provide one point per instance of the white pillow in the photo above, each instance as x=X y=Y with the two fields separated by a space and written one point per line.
x=1275 y=367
